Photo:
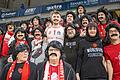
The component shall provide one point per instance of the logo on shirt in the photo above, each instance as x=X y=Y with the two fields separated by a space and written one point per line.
x=20 y=70
x=54 y=76
x=94 y=45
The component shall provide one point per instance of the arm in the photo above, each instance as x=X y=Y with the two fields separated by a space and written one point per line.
x=79 y=60
x=104 y=63
x=109 y=69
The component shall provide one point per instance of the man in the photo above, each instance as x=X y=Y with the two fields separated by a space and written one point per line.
x=103 y=21
x=70 y=17
x=21 y=68
x=112 y=52
x=56 y=31
x=71 y=44
x=85 y=20
x=80 y=11
x=55 y=68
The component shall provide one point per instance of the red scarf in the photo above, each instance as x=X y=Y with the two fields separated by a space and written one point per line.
x=21 y=41
x=5 y=47
x=48 y=72
x=25 y=71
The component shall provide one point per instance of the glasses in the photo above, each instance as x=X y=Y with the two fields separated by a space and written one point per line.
x=53 y=50
x=111 y=31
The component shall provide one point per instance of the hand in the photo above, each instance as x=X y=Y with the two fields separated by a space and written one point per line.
x=77 y=76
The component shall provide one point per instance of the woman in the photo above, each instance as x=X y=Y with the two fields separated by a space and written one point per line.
x=91 y=64
x=21 y=68
x=37 y=54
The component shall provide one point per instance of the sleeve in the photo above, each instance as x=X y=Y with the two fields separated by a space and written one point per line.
x=79 y=58
x=33 y=73
x=72 y=75
x=4 y=72
x=106 y=54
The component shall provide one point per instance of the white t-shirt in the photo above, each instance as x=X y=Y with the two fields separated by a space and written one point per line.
x=55 y=33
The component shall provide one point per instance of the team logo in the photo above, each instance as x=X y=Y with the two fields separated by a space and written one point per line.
x=20 y=70
x=94 y=45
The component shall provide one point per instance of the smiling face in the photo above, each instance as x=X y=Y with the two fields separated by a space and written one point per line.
x=92 y=31
x=37 y=34
x=71 y=32
x=101 y=16
x=20 y=35
x=56 y=18
x=85 y=22
x=114 y=34
x=10 y=28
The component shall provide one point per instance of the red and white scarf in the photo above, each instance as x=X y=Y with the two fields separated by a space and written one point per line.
x=47 y=72
x=25 y=71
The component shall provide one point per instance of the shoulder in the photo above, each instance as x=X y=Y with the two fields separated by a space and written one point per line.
x=67 y=65
x=32 y=65
x=41 y=65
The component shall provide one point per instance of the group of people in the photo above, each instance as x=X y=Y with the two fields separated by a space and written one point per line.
x=79 y=47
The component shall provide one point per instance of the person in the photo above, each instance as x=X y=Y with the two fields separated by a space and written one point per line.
x=71 y=44
x=103 y=17
x=9 y=33
x=54 y=67
x=20 y=36
x=1 y=38
x=24 y=25
x=91 y=63
x=85 y=20
x=112 y=51
x=56 y=31
x=80 y=11
x=37 y=54
x=20 y=68
x=70 y=17
x=36 y=22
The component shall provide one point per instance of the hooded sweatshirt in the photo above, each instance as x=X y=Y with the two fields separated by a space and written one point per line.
x=89 y=62
x=71 y=46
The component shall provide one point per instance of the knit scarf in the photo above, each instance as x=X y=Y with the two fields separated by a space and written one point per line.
x=25 y=71
x=48 y=72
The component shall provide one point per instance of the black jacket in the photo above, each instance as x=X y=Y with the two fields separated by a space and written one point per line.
x=16 y=75
x=71 y=47
x=68 y=71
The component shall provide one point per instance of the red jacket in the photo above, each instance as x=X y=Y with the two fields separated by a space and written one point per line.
x=101 y=28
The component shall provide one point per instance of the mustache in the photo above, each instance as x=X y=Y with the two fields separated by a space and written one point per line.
x=10 y=27
x=37 y=34
x=114 y=35
x=100 y=17
x=85 y=23
x=20 y=35
x=53 y=54
x=55 y=20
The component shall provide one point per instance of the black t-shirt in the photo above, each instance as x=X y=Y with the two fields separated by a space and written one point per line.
x=17 y=72
x=16 y=75
x=89 y=63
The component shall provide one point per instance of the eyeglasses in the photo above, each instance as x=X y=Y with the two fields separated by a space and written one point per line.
x=111 y=31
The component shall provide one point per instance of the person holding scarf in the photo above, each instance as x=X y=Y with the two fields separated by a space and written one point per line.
x=20 y=68
x=54 y=67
